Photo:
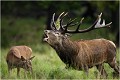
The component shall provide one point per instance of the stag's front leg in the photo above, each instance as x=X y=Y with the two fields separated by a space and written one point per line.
x=31 y=71
x=86 y=69
x=67 y=66
x=102 y=71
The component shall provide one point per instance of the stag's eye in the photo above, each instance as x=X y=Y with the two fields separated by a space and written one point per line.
x=57 y=33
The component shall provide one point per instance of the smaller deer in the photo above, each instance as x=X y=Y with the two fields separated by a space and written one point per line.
x=19 y=57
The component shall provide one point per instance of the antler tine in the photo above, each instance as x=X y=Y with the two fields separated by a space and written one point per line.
x=100 y=15
x=79 y=24
x=53 y=22
x=70 y=24
x=60 y=15
x=98 y=25
x=61 y=19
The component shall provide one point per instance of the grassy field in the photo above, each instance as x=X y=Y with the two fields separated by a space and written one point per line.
x=47 y=65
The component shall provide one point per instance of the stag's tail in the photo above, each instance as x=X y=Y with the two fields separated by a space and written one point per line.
x=113 y=44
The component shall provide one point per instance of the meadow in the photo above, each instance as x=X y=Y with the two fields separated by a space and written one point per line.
x=46 y=64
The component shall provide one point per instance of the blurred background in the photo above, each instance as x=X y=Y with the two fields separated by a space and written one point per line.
x=23 y=22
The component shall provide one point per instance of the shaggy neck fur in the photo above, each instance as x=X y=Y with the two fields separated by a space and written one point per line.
x=66 y=50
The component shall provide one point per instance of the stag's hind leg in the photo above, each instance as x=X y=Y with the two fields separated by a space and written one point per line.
x=102 y=71
x=114 y=65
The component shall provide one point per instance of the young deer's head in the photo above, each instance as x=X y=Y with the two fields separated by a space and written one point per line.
x=55 y=36
x=26 y=63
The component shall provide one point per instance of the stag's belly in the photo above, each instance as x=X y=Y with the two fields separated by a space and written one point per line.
x=84 y=59
x=85 y=62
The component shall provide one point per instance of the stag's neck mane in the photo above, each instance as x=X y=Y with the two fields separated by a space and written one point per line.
x=66 y=50
x=66 y=46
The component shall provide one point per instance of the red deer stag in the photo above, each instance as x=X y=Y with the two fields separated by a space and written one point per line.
x=19 y=57
x=82 y=54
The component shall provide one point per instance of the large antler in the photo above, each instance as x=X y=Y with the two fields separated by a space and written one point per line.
x=96 y=25
x=63 y=28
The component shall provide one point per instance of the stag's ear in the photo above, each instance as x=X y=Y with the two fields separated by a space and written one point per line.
x=22 y=58
x=31 y=58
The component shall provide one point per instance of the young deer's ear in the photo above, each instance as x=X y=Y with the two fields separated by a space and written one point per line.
x=22 y=58
x=31 y=58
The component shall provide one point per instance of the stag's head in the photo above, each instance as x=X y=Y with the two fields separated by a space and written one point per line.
x=57 y=35
x=26 y=63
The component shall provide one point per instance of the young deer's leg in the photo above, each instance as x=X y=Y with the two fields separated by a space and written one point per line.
x=18 y=72
x=102 y=71
x=31 y=71
x=9 y=71
x=25 y=73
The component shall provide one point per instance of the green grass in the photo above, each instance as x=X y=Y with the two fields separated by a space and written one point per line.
x=47 y=65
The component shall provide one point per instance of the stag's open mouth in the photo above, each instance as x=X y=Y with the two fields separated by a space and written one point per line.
x=45 y=36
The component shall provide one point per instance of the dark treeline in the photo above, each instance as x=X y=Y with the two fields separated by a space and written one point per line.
x=87 y=9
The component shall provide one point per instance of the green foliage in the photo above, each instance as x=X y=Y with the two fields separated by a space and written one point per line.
x=103 y=5
x=20 y=31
